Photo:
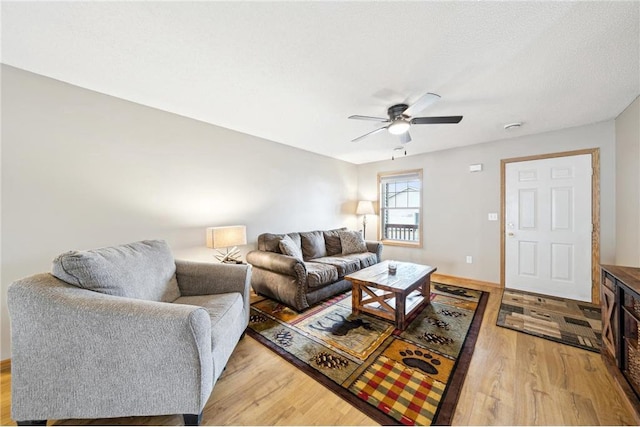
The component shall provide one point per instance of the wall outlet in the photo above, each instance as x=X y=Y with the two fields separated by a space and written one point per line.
x=493 y=217
x=469 y=259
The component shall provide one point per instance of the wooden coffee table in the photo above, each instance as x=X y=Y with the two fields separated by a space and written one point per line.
x=377 y=292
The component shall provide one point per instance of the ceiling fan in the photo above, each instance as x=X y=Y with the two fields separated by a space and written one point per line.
x=400 y=119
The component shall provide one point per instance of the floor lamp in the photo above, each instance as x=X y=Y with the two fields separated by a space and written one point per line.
x=365 y=207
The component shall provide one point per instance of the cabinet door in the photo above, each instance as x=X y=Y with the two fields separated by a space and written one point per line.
x=609 y=318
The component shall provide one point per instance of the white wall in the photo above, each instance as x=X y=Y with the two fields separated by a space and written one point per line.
x=82 y=170
x=628 y=186
x=456 y=201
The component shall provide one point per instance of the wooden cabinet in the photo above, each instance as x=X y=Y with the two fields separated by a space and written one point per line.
x=609 y=313
x=620 y=302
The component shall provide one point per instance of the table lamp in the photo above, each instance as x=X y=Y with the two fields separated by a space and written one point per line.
x=227 y=237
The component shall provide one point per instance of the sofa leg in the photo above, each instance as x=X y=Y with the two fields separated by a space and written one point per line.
x=192 y=419
x=32 y=423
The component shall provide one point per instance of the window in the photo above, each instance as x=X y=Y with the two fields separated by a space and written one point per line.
x=401 y=208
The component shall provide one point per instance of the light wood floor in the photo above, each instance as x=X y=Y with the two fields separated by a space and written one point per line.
x=514 y=379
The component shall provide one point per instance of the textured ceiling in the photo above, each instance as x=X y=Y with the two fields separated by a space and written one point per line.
x=292 y=72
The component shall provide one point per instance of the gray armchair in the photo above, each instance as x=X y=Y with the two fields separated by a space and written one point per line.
x=81 y=353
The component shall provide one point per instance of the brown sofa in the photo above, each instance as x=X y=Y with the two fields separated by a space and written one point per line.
x=301 y=283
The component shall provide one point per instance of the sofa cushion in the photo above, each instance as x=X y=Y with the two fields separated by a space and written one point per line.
x=142 y=270
x=332 y=241
x=289 y=247
x=319 y=274
x=270 y=242
x=343 y=264
x=366 y=259
x=313 y=245
x=352 y=242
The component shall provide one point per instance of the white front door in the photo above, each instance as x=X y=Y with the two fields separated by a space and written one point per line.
x=548 y=226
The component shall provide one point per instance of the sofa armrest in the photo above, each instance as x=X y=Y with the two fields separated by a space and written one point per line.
x=376 y=248
x=73 y=350
x=207 y=278
x=278 y=263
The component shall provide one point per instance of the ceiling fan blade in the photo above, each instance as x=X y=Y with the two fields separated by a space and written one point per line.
x=405 y=137
x=423 y=102
x=373 y=119
x=370 y=133
x=435 y=120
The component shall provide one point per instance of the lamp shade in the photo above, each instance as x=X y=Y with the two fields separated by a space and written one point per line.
x=365 y=207
x=224 y=237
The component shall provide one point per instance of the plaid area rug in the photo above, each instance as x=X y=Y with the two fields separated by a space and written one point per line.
x=410 y=377
x=566 y=321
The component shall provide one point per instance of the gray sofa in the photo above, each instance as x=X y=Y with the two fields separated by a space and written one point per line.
x=301 y=279
x=123 y=331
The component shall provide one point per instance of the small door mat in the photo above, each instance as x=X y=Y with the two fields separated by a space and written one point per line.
x=410 y=377
x=566 y=321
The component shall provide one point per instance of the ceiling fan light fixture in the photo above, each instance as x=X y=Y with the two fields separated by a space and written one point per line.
x=399 y=127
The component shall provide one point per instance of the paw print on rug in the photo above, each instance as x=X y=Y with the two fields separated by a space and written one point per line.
x=283 y=338
x=420 y=360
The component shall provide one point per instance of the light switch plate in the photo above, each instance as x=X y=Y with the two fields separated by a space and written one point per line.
x=493 y=217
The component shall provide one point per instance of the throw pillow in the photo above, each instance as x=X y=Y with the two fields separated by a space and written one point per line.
x=289 y=247
x=142 y=270
x=352 y=242
x=269 y=242
x=332 y=241
x=313 y=245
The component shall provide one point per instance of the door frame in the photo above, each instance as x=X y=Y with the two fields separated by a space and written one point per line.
x=595 y=212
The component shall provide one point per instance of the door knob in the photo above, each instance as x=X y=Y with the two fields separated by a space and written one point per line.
x=510 y=234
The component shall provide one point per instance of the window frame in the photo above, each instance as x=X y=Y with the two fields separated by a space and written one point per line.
x=405 y=243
